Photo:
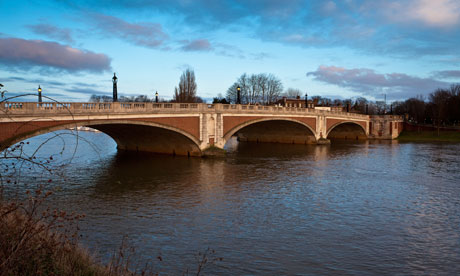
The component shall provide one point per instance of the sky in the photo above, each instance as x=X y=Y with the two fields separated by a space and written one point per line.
x=336 y=49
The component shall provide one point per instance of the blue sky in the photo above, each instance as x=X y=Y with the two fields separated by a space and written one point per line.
x=336 y=49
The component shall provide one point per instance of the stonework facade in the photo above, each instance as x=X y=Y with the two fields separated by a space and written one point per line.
x=190 y=129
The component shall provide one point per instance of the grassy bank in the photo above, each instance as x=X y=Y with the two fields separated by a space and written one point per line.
x=30 y=247
x=36 y=240
x=429 y=136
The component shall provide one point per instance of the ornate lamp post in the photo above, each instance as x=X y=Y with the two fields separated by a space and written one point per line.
x=115 y=92
x=156 y=97
x=306 y=100
x=238 y=95
x=39 y=94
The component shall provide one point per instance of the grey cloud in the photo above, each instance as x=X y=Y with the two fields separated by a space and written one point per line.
x=200 y=45
x=36 y=81
x=12 y=79
x=24 y=54
x=447 y=74
x=260 y=56
x=207 y=12
x=28 y=96
x=148 y=35
x=229 y=50
x=51 y=31
x=88 y=91
x=85 y=84
x=368 y=82
x=47 y=83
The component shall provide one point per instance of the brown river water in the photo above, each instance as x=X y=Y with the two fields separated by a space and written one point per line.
x=360 y=208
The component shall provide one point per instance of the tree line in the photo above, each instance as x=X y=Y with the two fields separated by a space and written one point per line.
x=261 y=89
x=441 y=108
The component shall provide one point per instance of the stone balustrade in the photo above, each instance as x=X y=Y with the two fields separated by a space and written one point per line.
x=54 y=108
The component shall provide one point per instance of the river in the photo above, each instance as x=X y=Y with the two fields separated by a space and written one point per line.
x=362 y=208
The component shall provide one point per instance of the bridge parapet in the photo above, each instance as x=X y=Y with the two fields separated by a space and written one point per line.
x=52 y=108
x=234 y=108
x=94 y=108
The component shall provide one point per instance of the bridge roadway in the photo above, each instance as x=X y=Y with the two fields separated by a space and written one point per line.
x=189 y=128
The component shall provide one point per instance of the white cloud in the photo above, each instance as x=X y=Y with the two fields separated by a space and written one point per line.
x=433 y=13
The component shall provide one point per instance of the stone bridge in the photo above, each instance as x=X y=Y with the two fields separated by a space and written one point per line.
x=188 y=128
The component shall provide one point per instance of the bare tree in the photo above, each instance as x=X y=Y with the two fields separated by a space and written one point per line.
x=453 y=106
x=231 y=95
x=260 y=88
x=292 y=93
x=263 y=88
x=127 y=99
x=186 y=93
x=316 y=99
x=275 y=87
x=440 y=100
x=416 y=107
x=243 y=83
x=337 y=102
x=380 y=107
x=104 y=99
x=253 y=89
x=142 y=98
x=360 y=105
x=2 y=92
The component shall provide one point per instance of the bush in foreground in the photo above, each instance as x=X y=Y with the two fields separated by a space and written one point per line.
x=36 y=240
x=30 y=244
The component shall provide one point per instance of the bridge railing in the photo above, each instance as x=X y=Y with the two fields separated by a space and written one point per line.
x=51 y=108
x=92 y=107
x=284 y=110
x=387 y=117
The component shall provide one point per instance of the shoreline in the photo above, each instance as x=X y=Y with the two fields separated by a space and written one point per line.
x=429 y=136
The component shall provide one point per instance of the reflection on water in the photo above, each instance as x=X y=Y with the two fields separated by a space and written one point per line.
x=272 y=209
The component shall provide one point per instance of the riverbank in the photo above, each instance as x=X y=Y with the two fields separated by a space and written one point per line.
x=31 y=244
x=30 y=247
x=429 y=136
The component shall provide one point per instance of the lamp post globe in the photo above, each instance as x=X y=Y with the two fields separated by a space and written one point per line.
x=238 y=95
x=39 y=94
x=115 y=90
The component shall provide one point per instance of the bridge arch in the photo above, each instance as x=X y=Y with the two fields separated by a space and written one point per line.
x=347 y=130
x=154 y=137
x=304 y=133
